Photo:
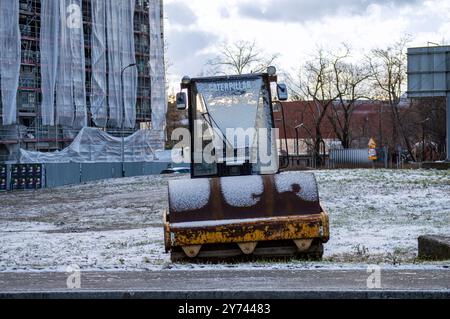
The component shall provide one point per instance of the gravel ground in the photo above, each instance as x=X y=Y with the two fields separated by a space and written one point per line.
x=376 y=217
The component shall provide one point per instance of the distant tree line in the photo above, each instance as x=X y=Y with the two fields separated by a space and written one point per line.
x=336 y=82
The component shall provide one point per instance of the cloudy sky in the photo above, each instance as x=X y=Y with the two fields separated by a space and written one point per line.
x=295 y=28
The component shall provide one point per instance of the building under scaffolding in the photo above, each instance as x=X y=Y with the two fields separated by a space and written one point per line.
x=61 y=66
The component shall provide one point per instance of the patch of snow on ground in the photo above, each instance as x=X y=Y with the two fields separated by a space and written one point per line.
x=375 y=217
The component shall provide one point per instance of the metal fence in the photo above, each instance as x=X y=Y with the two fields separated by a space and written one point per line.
x=297 y=162
x=34 y=176
x=357 y=158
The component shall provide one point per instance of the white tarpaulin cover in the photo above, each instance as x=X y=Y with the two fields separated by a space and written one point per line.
x=63 y=63
x=49 y=58
x=10 y=52
x=63 y=66
x=128 y=53
x=157 y=68
x=94 y=145
x=70 y=83
x=121 y=53
x=99 y=107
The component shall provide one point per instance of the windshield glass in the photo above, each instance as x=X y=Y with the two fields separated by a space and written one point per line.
x=229 y=104
x=241 y=104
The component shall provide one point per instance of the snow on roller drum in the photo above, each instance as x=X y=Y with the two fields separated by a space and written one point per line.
x=272 y=214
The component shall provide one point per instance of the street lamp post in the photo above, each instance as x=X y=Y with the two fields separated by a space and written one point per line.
x=314 y=156
x=297 y=137
x=123 y=115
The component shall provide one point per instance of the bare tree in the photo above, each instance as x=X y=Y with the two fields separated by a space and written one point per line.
x=426 y=127
x=388 y=68
x=167 y=64
x=316 y=85
x=241 y=57
x=174 y=118
x=350 y=84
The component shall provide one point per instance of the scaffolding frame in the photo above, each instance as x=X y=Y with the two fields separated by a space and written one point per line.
x=30 y=133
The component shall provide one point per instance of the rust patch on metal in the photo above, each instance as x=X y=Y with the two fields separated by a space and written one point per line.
x=166 y=226
x=275 y=228
x=325 y=227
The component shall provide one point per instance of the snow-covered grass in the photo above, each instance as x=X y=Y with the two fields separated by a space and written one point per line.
x=376 y=217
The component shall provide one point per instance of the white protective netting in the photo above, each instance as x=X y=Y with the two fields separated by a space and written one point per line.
x=63 y=63
x=49 y=58
x=121 y=53
x=70 y=82
x=157 y=69
x=78 y=64
x=99 y=107
x=94 y=145
x=63 y=68
x=10 y=52
x=129 y=57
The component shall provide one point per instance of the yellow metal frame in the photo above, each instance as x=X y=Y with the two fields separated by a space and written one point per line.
x=265 y=229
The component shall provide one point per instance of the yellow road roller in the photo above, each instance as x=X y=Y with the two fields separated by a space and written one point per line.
x=238 y=203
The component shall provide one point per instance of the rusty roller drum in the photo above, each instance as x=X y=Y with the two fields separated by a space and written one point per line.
x=259 y=216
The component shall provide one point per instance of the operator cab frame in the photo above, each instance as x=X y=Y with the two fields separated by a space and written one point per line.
x=239 y=163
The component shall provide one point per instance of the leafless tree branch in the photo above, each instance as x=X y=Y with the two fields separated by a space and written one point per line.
x=241 y=57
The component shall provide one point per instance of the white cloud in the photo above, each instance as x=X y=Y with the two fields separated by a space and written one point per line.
x=294 y=28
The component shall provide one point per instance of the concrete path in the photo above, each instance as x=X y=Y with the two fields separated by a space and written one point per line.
x=284 y=284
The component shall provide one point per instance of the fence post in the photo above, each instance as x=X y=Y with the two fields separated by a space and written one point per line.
x=386 y=155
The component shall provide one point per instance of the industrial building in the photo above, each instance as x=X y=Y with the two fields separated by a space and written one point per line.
x=428 y=77
x=61 y=68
